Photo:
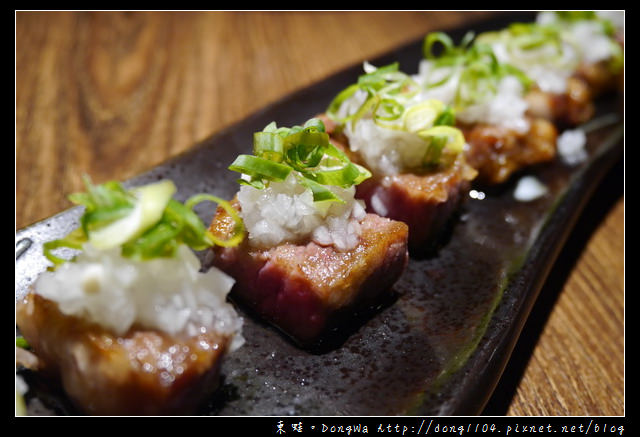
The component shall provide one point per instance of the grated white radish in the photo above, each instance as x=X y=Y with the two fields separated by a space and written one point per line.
x=544 y=66
x=385 y=151
x=390 y=150
x=571 y=146
x=529 y=188
x=286 y=212
x=21 y=386
x=616 y=18
x=587 y=37
x=549 y=66
x=168 y=294
x=505 y=106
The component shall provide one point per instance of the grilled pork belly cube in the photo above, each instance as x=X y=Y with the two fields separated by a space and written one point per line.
x=600 y=78
x=508 y=127
x=569 y=108
x=306 y=289
x=575 y=59
x=576 y=105
x=142 y=372
x=498 y=152
x=424 y=201
x=131 y=325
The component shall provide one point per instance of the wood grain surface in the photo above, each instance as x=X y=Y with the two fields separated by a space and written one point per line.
x=112 y=94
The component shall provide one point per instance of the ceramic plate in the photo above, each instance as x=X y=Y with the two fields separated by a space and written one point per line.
x=440 y=345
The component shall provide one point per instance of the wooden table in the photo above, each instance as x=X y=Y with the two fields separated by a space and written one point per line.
x=112 y=94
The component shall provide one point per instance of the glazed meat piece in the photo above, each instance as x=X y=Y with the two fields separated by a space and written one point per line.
x=131 y=325
x=406 y=185
x=507 y=125
x=306 y=289
x=312 y=256
x=498 y=152
x=424 y=202
x=600 y=78
x=569 y=108
x=143 y=372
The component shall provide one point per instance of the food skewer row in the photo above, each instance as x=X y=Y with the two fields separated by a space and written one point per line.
x=509 y=92
x=572 y=58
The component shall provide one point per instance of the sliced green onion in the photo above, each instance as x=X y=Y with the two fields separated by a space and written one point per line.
x=152 y=200
x=434 y=150
x=314 y=123
x=73 y=240
x=389 y=103
x=304 y=149
x=529 y=43
x=576 y=15
x=260 y=167
x=616 y=62
x=238 y=229
x=423 y=115
x=377 y=78
x=268 y=145
x=388 y=91
x=320 y=192
x=369 y=105
x=104 y=204
x=22 y=343
x=255 y=183
x=339 y=177
x=478 y=69
x=445 y=143
x=389 y=110
x=446 y=118
x=339 y=99
x=155 y=226
x=181 y=225
x=160 y=241
x=455 y=138
x=449 y=49
x=528 y=36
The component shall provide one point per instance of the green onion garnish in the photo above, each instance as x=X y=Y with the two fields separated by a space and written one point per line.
x=145 y=222
x=388 y=92
x=391 y=102
x=571 y=17
x=21 y=342
x=529 y=43
x=445 y=143
x=564 y=18
x=304 y=150
x=477 y=65
x=547 y=42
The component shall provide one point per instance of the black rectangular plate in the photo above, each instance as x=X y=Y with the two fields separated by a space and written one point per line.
x=440 y=347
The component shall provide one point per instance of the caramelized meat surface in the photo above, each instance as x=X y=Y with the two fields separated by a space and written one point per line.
x=570 y=108
x=142 y=372
x=425 y=202
x=599 y=78
x=305 y=289
x=497 y=152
